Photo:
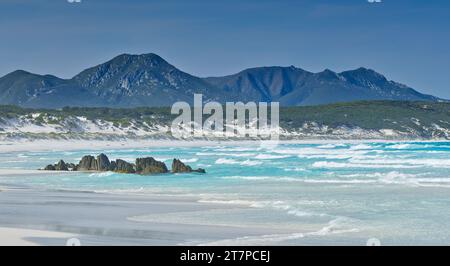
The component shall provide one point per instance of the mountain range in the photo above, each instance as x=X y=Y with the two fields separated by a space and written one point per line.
x=148 y=80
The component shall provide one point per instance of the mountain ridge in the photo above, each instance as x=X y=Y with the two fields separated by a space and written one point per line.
x=148 y=80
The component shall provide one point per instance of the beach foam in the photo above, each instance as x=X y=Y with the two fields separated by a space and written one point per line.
x=335 y=226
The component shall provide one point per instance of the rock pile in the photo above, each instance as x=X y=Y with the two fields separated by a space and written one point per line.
x=143 y=166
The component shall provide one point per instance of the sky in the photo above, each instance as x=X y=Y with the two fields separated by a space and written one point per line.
x=406 y=40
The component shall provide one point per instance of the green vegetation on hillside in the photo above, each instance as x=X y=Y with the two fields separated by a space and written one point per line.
x=419 y=118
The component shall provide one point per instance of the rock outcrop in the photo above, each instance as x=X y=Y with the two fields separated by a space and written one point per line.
x=149 y=165
x=179 y=167
x=90 y=163
x=61 y=166
x=143 y=166
x=122 y=166
x=87 y=163
x=72 y=166
x=102 y=163
x=50 y=167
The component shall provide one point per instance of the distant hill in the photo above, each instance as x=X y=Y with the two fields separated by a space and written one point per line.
x=356 y=120
x=293 y=86
x=149 y=80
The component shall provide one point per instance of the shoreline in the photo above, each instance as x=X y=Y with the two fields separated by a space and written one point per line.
x=14 y=236
x=108 y=219
x=70 y=145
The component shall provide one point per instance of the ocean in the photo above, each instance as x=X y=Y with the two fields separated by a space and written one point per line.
x=394 y=193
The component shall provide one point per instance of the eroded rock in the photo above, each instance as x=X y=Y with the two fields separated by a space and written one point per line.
x=61 y=166
x=101 y=163
x=179 y=167
x=122 y=166
x=87 y=163
x=149 y=165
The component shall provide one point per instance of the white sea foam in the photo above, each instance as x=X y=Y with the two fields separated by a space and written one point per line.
x=327 y=156
x=339 y=181
x=295 y=169
x=250 y=163
x=339 y=225
x=250 y=177
x=103 y=174
x=233 y=149
x=328 y=164
x=231 y=161
x=393 y=177
x=289 y=208
x=235 y=154
x=191 y=160
x=444 y=163
x=313 y=153
x=276 y=205
x=270 y=156
x=302 y=180
x=400 y=146
x=331 y=146
x=230 y=202
x=362 y=147
x=226 y=161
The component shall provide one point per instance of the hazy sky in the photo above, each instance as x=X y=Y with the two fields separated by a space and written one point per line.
x=407 y=40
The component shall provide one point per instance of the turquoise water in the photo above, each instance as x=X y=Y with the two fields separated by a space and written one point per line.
x=398 y=193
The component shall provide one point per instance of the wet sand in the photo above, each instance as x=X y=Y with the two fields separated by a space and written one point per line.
x=45 y=217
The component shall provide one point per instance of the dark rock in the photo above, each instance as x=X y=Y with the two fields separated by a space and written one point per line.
x=143 y=166
x=61 y=166
x=150 y=166
x=112 y=166
x=179 y=167
x=200 y=170
x=87 y=163
x=124 y=167
x=71 y=166
x=50 y=167
x=102 y=163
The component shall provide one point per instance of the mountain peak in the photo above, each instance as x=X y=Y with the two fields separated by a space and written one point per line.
x=123 y=67
x=147 y=56
x=327 y=71
x=146 y=60
x=328 y=74
x=363 y=74
x=19 y=72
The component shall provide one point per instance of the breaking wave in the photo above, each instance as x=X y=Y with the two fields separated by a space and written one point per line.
x=339 y=225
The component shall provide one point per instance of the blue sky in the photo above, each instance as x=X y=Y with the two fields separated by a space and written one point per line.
x=407 y=40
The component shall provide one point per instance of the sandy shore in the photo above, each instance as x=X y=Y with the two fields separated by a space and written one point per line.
x=45 y=217
x=29 y=237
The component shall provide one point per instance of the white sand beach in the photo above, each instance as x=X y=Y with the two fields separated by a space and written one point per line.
x=46 y=217
x=22 y=237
